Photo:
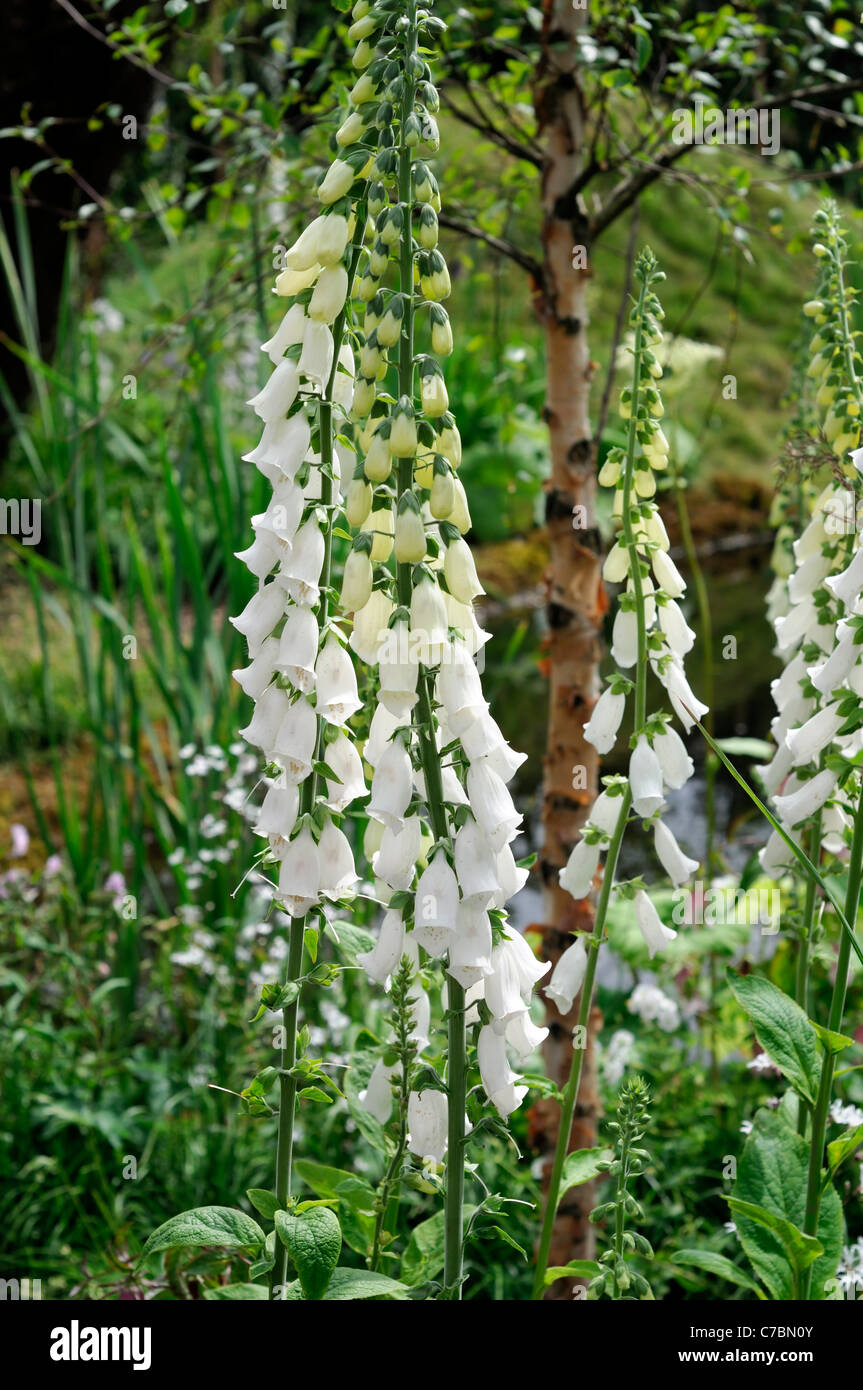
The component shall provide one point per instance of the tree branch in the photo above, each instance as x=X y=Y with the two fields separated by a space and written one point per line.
x=498 y=244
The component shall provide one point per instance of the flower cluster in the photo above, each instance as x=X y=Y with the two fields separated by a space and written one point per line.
x=649 y=627
x=815 y=608
x=442 y=820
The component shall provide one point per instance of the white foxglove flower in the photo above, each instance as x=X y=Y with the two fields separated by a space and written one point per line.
x=475 y=865
x=316 y=358
x=656 y=934
x=511 y=879
x=282 y=447
x=601 y=729
x=675 y=863
x=428 y=621
x=605 y=813
x=298 y=649
x=645 y=779
x=254 y=679
x=679 y=636
x=530 y=970
x=356 y=581
x=261 y=556
x=459 y=686
x=382 y=961
x=398 y=672
x=335 y=684
x=492 y=804
x=381 y=730
x=685 y=705
x=615 y=567
x=523 y=1035
x=329 y=295
x=807 y=742
x=377 y=1098
x=260 y=615
x=799 y=805
x=427 y=1125
x=483 y=739
x=498 y=1078
x=338 y=872
x=343 y=759
x=668 y=576
x=460 y=572
x=323 y=241
x=470 y=953
x=503 y=988
x=267 y=718
x=301 y=570
x=278 y=395
x=300 y=875
x=577 y=875
x=290 y=331
x=392 y=785
x=830 y=674
x=296 y=740
x=395 y=861
x=674 y=761
x=278 y=816
x=462 y=617
x=848 y=585
x=371 y=627
x=624 y=638
x=435 y=906
x=568 y=975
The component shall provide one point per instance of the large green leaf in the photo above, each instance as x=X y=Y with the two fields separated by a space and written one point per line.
x=582 y=1166
x=800 y=1249
x=772 y=1175
x=242 y=1293
x=424 y=1256
x=841 y=1148
x=711 y=1262
x=313 y=1239
x=346 y=1284
x=207 y=1226
x=782 y=1029
x=577 y=1269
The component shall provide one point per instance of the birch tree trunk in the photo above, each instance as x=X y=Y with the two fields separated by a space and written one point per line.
x=576 y=597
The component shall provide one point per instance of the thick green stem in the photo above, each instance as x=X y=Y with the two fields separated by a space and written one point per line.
x=814 y=1186
x=570 y=1094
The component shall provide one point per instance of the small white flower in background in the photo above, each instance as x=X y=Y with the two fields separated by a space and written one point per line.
x=652 y=1005
x=849 y=1116
x=761 y=1062
x=20 y=841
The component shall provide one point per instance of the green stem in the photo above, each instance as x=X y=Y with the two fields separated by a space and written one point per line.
x=570 y=1094
x=814 y=1187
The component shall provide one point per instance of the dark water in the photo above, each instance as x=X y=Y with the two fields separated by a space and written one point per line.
x=743 y=667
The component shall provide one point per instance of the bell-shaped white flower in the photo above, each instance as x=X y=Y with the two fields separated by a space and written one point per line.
x=357 y=581
x=435 y=906
x=459 y=687
x=298 y=649
x=382 y=961
x=470 y=950
x=530 y=970
x=605 y=813
x=675 y=863
x=428 y=621
x=806 y=743
x=667 y=575
x=577 y=875
x=283 y=445
x=392 y=785
x=427 y=1125
x=395 y=861
x=645 y=778
x=342 y=758
x=261 y=556
x=335 y=683
x=568 y=976
x=290 y=331
x=498 y=1078
x=301 y=570
x=381 y=730
x=679 y=636
x=802 y=803
x=316 y=358
x=278 y=816
x=674 y=761
x=300 y=875
x=338 y=872
x=776 y=856
x=483 y=739
x=260 y=616
x=295 y=742
x=603 y=724
x=254 y=679
x=371 y=627
x=264 y=725
x=656 y=934
x=462 y=617
x=492 y=805
x=398 y=671
x=685 y=705
x=615 y=567
x=848 y=585
x=329 y=295
x=829 y=675
x=624 y=637
x=377 y=1098
x=460 y=572
x=279 y=393
x=475 y=865
x=510 y=878
x=523 y=1035
x=503 y=988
